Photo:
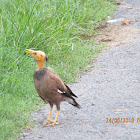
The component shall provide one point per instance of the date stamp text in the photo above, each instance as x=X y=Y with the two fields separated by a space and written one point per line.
x=122 y=120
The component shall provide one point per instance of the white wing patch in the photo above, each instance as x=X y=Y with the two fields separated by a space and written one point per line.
x=60 y=91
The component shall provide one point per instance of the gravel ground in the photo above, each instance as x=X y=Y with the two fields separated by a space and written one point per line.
x=108 y=90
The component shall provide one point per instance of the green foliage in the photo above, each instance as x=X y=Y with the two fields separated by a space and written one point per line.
x=53 y=26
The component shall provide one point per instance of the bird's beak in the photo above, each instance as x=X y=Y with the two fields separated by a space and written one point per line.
x=30 y=51
x=34 y=54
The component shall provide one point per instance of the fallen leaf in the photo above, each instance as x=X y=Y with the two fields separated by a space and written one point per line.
x=126 y=21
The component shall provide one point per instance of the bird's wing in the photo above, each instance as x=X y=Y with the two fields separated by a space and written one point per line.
x=60 y=85
x=72 y=94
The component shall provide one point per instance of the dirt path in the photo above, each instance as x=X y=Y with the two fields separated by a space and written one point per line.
x=110 y=90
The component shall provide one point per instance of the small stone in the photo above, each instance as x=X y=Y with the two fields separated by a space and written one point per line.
x=118 y=2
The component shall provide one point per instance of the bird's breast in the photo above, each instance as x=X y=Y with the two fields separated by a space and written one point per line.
x=39 y=74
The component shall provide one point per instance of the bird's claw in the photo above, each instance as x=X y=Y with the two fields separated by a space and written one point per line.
x=50 y=123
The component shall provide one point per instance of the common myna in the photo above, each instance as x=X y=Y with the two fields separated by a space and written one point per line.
x=50 y=87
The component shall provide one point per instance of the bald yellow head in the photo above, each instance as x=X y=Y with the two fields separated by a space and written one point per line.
x=39 y=56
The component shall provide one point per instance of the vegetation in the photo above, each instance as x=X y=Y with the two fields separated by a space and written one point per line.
x=53 y=26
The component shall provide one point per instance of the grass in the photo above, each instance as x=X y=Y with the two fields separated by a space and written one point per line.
x=53 y=26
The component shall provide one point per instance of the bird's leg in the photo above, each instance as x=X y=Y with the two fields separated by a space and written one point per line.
x=49 y=121
x=54 y=122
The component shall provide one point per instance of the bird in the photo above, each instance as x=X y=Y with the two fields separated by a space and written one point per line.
x=50 y=87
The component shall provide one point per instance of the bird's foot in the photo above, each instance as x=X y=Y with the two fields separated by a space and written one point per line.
x=50 y=123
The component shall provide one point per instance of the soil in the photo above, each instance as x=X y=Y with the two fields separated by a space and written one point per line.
x=108 y=93
x=116 y=35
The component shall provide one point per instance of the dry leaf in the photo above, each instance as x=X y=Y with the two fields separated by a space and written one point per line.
x=126 y=21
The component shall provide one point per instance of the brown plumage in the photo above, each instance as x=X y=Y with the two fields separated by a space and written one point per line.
x=50 y=87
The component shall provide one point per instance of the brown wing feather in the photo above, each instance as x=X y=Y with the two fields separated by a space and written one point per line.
x=72 y=94
x=58 y=82
x=61 y=85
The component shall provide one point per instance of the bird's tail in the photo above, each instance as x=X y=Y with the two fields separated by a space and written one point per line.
x=73 y=102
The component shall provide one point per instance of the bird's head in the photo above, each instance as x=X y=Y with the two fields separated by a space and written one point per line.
x=39 y=56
